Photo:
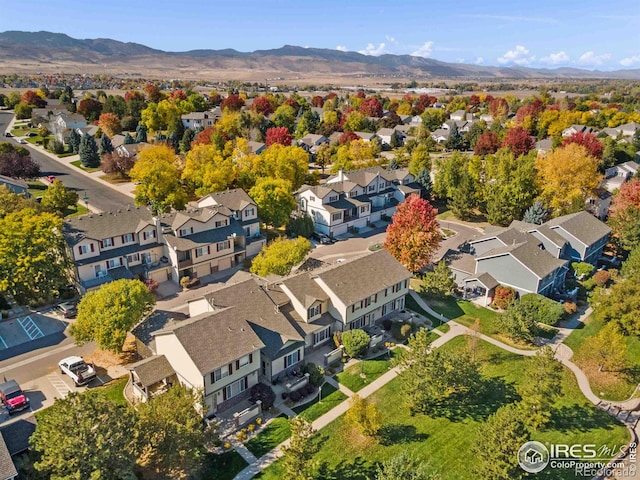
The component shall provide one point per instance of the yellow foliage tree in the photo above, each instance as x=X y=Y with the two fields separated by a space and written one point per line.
x=208 y=170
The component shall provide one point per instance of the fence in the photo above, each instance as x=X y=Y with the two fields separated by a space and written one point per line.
x=333 y=356
x=248 y=414
x=298 y=384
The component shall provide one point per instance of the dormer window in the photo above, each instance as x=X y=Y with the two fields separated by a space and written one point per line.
x=314 y=311
x=106 y=243
x=333 y=198
x=127 y=238
x=186 y=231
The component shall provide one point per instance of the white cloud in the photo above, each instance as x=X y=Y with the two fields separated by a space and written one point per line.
x=590 y=58
x=517 y=56
x=342 y=48
x=424 y=50
x=630 y=61
x=555 y=58
x=371 y=49
x=460 y=60
x=479 y=60
x=391 y=40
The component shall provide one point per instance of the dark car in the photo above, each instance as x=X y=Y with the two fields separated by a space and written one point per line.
x=31 y=134
x=322 y=238
x=67 y=309
x=8 y=134
x=12 y=397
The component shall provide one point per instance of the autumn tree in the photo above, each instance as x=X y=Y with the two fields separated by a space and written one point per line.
x=11 y=202
x=57 y=198
x=90 y=109
x=109 y=123
x=309 y=122
x=262 y=105
x=86 y=435
x=34 y=266
x=589 y=141
x=608 y=348
x=274 y=199
x=112 y=163
x=624 y=215
x=364 y=416
x=630 y=267
x=440 y=282
x=371 y=107
x=284 y=116
x=498 y=109
x=14 y=165
x=208 y=170
x=233 y=102
x=487 y=143
x=518 y=141
x=32 y=98
x=323 y=156
x=566 y=177
x=107 y=314
x=414 y=235
x=279 y=135
x=297 y=461
x=283 y=163
x=619 y=304
x=280 y=256
x=88 y=151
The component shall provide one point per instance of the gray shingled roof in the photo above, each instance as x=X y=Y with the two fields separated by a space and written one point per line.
x=529 y=253
x=365 y=276
x=582 y=225
x=486 y=279
x=234 y=199
x=152 y=370
x=7 y=468
x=106 y=224
x=16 y=434
x=207 y=237
x=305 y=289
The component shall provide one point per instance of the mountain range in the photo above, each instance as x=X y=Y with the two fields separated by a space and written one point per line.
x=47 y=51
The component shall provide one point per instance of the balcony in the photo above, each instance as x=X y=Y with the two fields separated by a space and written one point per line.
x=185 y=263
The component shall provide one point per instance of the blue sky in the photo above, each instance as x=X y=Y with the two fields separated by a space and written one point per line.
x=546 y=33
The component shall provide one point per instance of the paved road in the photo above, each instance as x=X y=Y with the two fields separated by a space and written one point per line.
x=100 y=196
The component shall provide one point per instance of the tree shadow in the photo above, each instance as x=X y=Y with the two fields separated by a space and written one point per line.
x=631 y=373
x=578 y=417
x=358 y=469
x=395 y=434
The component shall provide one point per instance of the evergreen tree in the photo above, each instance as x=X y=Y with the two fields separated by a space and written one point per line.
x=105 y=145
x=187 y=138
x=74 y=141
x=88 y=151
x=393 y=165
x=128 y=139
x=536 y=213
x=463 y=198
x=141 y=133
x=454 y=142
x=424 y=180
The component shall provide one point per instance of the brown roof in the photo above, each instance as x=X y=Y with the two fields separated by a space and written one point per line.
x=7 y=468
x=98 y=226
x=305 y=289
x=152 y=370
x=365 y=276
x=234 y=199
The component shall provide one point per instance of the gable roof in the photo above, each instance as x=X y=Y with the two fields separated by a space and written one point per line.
x=98 y=226
x=234 y=199
x=582 y=225
x=152 y=369
x=364 y=276
x=305 y=289
x=544 y=230
x=16 y=434
x=207 y=237
x=13 y=181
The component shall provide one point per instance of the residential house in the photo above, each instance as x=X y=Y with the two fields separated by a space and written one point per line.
x=90 y=130
x=366 y=136
x=544 y=146
x=311 y=142
x=7 y=468
x=256 y=147
x=586 y=235
x=463 y=125
x=335 y=137
x=567 y=132
x=441 y=135
x=41 y=116
x=69 y=121
x=629 y=129
x=391 y=137
x=14 y=440
x=599 y=203
x=251 y=330
x=130 y=150
x=354 y=199
x=15 y=185
x=618 y=174
x=200 y=120
x=150 y=376
x=458 y=115
x=244 y=210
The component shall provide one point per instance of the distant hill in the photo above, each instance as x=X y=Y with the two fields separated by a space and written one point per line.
x=47 y=48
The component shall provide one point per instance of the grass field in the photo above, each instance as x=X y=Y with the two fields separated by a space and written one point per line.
x=222 y=467
x=78 y=163
x=358 y=376
x=114 y=390
x=608 y=385
x=445 y=439
x=331 y=397
x=272 y=435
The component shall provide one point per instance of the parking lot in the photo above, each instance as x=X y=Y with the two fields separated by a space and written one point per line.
x=24 y=329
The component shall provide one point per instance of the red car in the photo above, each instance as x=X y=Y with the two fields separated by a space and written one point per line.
x=12 y=396
x=51 y=178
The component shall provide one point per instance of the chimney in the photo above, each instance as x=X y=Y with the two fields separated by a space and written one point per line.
x=156 y=223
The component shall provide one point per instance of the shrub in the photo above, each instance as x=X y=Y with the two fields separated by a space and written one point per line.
x=386 y=324
x=184 y=282
x=589 y=284
x=337 y=338
x=504 y=296
x=582 y=269
x=294 y=396
x=151 y=284
x=284 y=395
x=316 y=375
x=56 y=146
x=227 y=445
x=601 y=278
x=401 y=331
x=241 y=435
x=264 y=393
x=310 y=389
x=569 y=308
x=251 y=428
x=547 y=311
x=259 y=420
x=355 y=342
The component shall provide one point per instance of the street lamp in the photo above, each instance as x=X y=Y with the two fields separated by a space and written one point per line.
x=86 y=200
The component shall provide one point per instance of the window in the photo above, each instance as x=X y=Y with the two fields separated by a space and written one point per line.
x=221 y=223
x=356 y=306
x=291 y=359
x=247 y=231
x=246 y=360
x=321 y=336
x=336 y=216
x=107 y=242
x=333 y=198
x=220 y=373
x=114 y=263
x=372 y=188
x=83 y=249
x=357 y=323
x=134 y=257
x=201 y=251
x=363 y=209
x=186 y=231
x=99 y=270
x=235 y=388
x=127 y=238
x=314 y=311
x=149 y=234
x=312 y=198
x=146 y=257
x=249 y=212
x=226 y=245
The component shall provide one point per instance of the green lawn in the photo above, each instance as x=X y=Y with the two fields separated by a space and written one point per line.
x=444 y=439
x=222 y=467
x=36 y=189
x=272 y=435
x=358 y=376
x=78 y=163
x=331 y=397
x=411 y=304
x=607 y=385
x=114 y=390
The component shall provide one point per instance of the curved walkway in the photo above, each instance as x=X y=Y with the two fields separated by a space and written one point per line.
x=562 y=353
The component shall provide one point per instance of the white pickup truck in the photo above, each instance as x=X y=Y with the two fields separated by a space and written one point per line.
x=80 y=372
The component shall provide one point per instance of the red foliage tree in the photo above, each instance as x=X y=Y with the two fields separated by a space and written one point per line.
x=424 y=102
x=413 y=237
x=215 y=99
x=132 y=95
x=262 y=105
x=498 y=108
x=90 y=109
x=204 y=137
x=177 y=95
x=14 y=165
x=279 y=135
x=360 y=94
x=627 y=196
x=504 y=296
x=115 y=164
x=110 y=124
x=474 y=100
x=32 y=98
x=588 y=140
x=233 y=102
x=371 y=107
x=487 y=143
x=293 y=103
x=331 y=96
x=153 y=92
x=317 y=101
x=518 y=141
x=347 y=137
x=532 y=110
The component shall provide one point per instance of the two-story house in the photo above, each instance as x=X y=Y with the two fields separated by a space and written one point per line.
x=353 y=199
x=244 y=210
x=200 y=120
x=586 y=236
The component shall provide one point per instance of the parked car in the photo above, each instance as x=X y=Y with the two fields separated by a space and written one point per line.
x=67 y=309
x=8 y=134
x=80 y=372
x=322 y=238
x=12 y=396
x=22 y=141
x=31 y=134
x=51 y=178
